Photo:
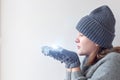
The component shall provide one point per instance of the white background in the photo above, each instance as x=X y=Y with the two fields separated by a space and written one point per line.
x=28 y=24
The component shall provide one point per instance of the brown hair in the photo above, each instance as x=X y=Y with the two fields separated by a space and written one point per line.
x=100 y=53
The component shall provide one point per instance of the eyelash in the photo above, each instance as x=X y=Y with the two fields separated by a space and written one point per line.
x=81 y=35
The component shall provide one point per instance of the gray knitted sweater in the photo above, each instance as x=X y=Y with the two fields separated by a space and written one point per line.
x=108 y=68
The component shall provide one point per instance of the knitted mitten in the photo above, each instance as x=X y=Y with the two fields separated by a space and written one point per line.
x=70 y=58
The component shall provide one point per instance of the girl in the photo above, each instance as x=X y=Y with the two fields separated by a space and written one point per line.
x=96 y=32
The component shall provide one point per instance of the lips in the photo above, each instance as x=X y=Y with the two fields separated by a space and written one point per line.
x=78 y=47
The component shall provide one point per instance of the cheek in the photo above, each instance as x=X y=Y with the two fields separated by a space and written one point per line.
x=84 y=43
x=86 y=46
x=83 y=47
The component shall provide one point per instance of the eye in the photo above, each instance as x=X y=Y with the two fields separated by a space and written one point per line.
x=81 y=35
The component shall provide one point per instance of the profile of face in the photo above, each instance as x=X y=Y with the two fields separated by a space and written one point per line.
x=85 y=46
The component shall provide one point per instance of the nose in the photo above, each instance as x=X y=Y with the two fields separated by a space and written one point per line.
x=77 y=40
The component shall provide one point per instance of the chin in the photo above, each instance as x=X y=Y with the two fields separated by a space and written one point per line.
x=80 y=53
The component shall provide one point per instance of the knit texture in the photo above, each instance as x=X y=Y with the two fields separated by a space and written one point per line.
x=70 y=58
x=108 y=68
x=98 y=26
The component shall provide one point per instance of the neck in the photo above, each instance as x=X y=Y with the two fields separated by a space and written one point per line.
x=92 y=57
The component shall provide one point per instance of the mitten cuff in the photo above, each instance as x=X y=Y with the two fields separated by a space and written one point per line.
x=73 y=65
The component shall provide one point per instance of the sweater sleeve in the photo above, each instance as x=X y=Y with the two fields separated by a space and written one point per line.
x=68 y=75
x=107 y=70
x=77 y=76
x=74 y=76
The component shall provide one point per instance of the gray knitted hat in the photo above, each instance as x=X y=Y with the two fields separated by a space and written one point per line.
x=98 y=26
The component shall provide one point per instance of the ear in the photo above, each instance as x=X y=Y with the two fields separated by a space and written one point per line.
x=96 y=44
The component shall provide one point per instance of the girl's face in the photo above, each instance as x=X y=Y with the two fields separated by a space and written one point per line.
x=85 y=46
